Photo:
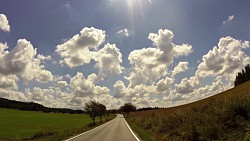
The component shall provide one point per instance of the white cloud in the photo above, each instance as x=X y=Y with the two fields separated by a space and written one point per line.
x=50 y=97
x=146 y=66
x=83 y=87
x=164 y=84
x=4 y=23
x=187 y=85
x=43 y=58
x=8 y=82
x=181 y=67
x=220 y=65
x=108 y=60
x=150 y=64
x=149 y=80
x=182 y=50
x=77 y=50
x=62 y=84
x=13 y=94
x=22 y=61
x=163 y=40
x=43 y=76
x=225 y=60
x=120 y=89
x=229 y=18
x=123 y=32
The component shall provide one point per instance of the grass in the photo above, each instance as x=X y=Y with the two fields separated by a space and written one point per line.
x=225 y=116
x=144 y=135
x=28 y=125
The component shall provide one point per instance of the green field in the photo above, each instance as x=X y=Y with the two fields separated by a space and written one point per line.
x=24 y=125
x=225 y=116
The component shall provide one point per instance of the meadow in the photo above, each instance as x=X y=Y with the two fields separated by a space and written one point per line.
x=225 y=116
x=28 y=125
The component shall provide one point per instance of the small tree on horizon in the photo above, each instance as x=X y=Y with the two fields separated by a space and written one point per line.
x=127 y=108
x=94 y=109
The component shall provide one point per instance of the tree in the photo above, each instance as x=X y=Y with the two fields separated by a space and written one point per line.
x=242 y=76
x=91 y=108
x=101 y=110
x=95 y=109
x=127 y=108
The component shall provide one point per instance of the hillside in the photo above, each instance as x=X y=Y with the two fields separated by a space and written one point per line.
x=225 y=116
x=241 y=90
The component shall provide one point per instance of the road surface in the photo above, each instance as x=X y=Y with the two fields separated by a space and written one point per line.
x=114 y=130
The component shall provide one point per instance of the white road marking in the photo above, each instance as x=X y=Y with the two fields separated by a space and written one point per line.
x=131 y=131
x=87 y=131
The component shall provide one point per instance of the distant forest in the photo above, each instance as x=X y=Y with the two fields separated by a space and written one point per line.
x=242 y=76
x=31 y=106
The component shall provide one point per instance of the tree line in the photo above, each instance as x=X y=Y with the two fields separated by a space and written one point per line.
x=242 y=76
x=31 y=106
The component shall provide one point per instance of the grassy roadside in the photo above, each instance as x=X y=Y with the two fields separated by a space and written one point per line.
x=223 y=117
x=28 y=125
x=144 y=135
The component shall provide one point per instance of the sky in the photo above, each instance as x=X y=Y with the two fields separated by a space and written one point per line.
x=152 y=53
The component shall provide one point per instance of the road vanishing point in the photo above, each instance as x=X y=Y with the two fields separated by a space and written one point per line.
x=114 y=130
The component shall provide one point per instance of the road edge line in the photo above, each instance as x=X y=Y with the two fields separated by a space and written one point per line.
x=86 y=131
x=132 y=131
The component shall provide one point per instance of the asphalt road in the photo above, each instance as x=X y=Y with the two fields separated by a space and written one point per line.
x=115 y=130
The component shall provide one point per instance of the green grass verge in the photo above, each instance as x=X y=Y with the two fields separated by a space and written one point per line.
x=28 y=125
x=140 y=132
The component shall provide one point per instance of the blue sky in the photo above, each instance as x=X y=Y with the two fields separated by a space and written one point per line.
x=137 y=72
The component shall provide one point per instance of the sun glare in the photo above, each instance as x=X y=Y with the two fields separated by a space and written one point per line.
x=135 y=8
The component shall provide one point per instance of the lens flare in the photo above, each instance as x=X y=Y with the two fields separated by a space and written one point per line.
x=135 y=10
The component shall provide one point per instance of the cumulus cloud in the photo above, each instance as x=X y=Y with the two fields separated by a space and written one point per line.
x=83 y=87
x=8 y=82
x=175 y=98
x=229 y=18
x=43 y=58
x=222 y=62
x=181 y=67
x=13 y=95
x=182 y=50
x=187 y=85
x=108 y=60
x=146 y=66
x=164 y=84
x=163 y=40
x=62 y=84
x=22 y=61
x=216 y=87
x=123 y=32
x=43 y=76
x=4 y=23
x=77 y=50
x=227 y=59
x=50 y=97
x=150 y=64
x=120 y=89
